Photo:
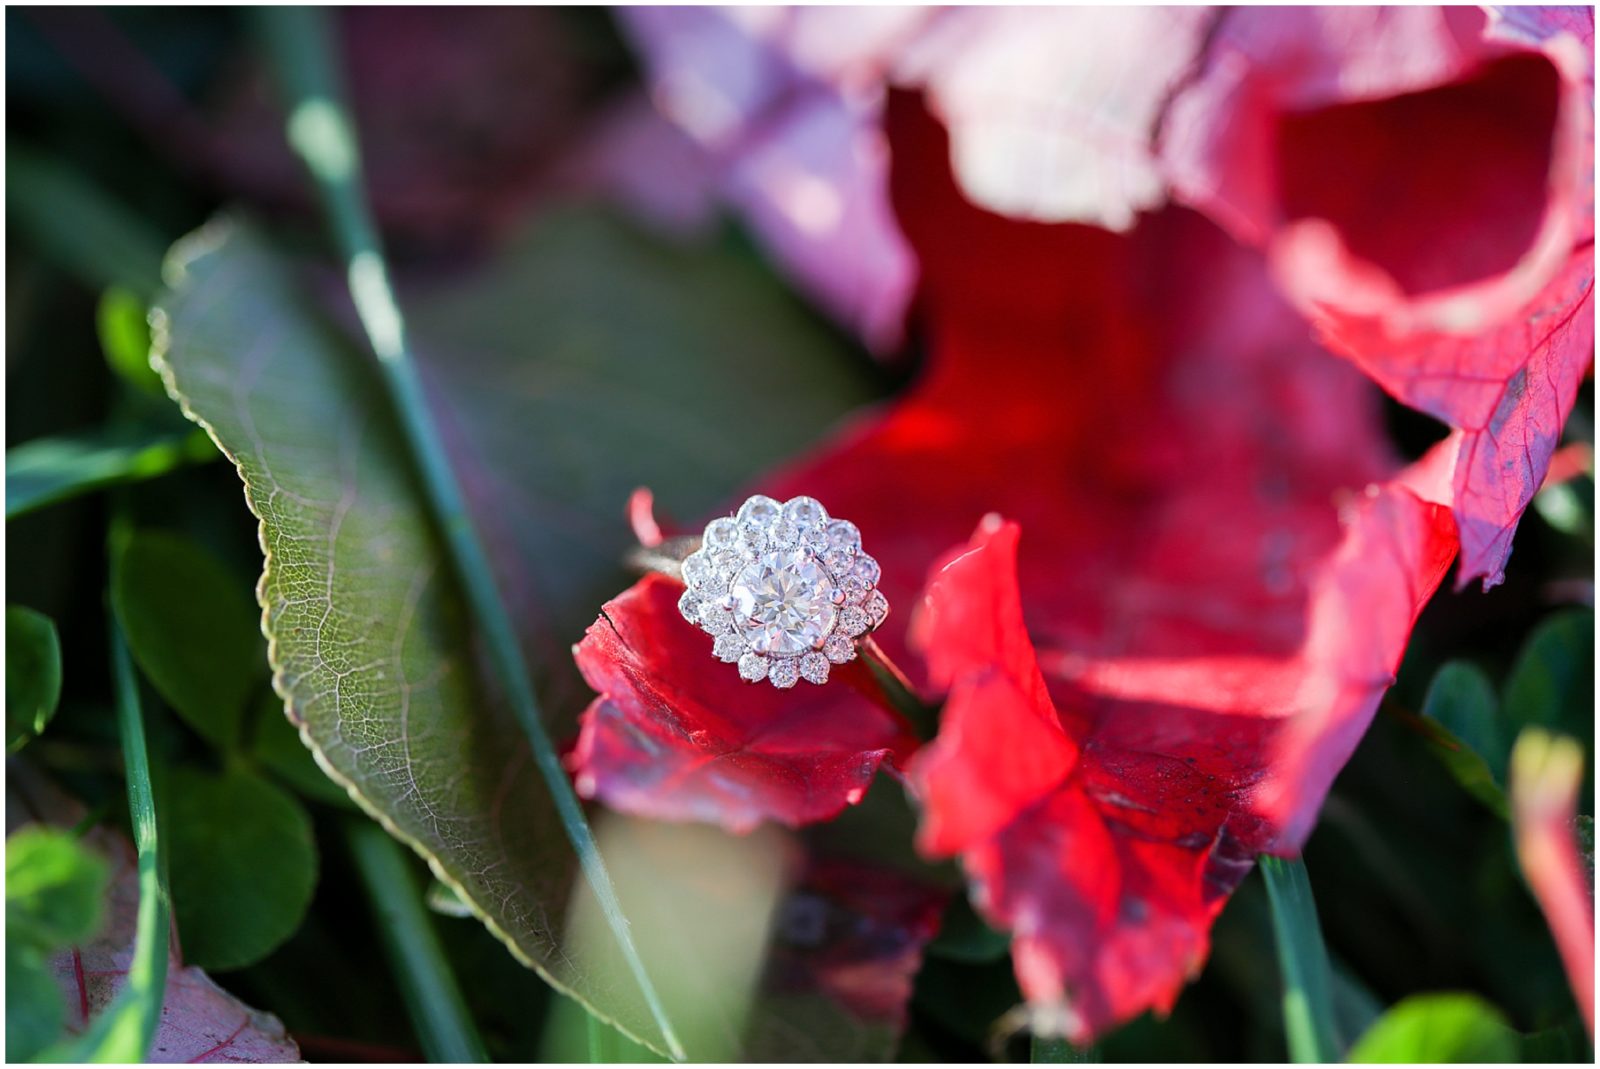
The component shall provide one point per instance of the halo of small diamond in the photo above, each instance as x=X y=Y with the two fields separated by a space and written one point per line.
x=784 y=590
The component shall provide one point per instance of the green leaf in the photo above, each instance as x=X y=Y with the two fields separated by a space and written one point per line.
x=76 y=226
x=193 y=629
x=125 y=338
x=33 y=674
x=1551 y=684
x=560 y=399
x=50 y=470
x=55 y=889
x=1459 y=722
x=1462 y=699
x=1308 y=1019
x=1438 y=1028
x=243 y=866
x=35 y=1010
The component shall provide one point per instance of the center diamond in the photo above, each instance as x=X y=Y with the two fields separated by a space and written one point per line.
x=783 y=602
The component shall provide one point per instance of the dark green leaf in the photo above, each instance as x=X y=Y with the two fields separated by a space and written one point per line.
x=1552 y=683
x=559 y=397
x=1438 y=1028
x=35 y=1011
x=1462 y=699
x=47 y=470
x=1060 y=1052
x=1308 y=1020
x=125 y=338
x=193 y=628
x=1465 y=764
x=33 y=674
x=243 y=866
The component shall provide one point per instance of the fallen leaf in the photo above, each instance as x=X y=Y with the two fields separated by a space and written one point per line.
x=200 y=1022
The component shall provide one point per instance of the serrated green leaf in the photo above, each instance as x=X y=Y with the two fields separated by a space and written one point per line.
x=193 y=629
x=125 y=338
x=1438 y=1028
x=276 y=745
x=585 y=363
x=50 y=470
x=1551 y=685
x=242 y=866
x=33 y=674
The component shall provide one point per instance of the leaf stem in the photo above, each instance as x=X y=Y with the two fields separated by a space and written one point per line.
x=320 y=130
x=1307 y=978
x=438 y=1011
x=897 y=689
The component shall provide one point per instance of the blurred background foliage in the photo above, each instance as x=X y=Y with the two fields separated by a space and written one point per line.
x=129 y=128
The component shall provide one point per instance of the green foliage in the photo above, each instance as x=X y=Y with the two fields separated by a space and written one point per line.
x=1552 y=683
x=33 y=674
x=50 y=470
x=125 y=339
x=1438 y=1028
x=243 y=865
x=193 y=629
x=276 y=746
x=963 y=936
x=1460 y=724
x=55 y=897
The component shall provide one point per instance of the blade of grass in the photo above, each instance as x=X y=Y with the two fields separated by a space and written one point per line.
x=77 y=227
x=1307 y=978
x=438 y=1011
x=321 y=132
x=126 y=1028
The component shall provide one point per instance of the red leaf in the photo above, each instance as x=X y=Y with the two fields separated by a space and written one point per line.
x=1173 y=450
x=1422 y=180
x=675 y=735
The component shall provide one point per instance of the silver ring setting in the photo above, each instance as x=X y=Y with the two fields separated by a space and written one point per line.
x=783 y=589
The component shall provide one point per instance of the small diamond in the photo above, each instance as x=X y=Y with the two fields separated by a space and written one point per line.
x=853 y=620
x=855 y=589
x=728 y=648
x=838 y=561
x=815 y=538
x=842 y=534
x=753 y=667
x=805 y=511
x=784 y=534
x=784 y=673
x=722 y=533
x=752 y=540
x=714 y=619
x=712 y=587
x=814 y=668
x=839 y=648
x=696 y=566
x=877 y=608
x=759 y=510
x=689 y=605
x=728 y=561
x=868 y=571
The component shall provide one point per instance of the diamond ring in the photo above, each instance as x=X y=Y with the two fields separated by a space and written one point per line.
x=784 y=590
